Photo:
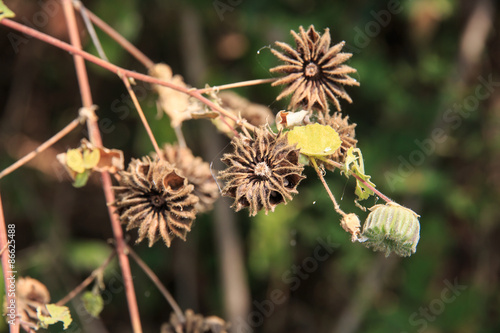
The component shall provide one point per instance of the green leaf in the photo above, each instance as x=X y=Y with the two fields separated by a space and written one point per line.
x=93 y=303
x=315 y=139
x=81 y=179
x=5 y=12
x=74 y=160
x=91 y=158
x=354 y=165
x=56 y=314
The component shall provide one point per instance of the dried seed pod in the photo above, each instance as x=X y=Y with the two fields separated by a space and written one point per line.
x=263 y=171
x=197 y=173
x=195 y=323
x=346 y=133
x=30 y=294
x=255 y=114
x=351 y=224
x=391 y=228
x=314 y=71
x=155 y=198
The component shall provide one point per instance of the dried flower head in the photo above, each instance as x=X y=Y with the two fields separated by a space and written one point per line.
x=197 y=173
x=346 y=133
x=263 y=171
x=195 y=323
x=314 y=71
x=155 y=198
x=30 y=295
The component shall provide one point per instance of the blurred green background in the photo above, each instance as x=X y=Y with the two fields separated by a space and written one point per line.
x=427 y=114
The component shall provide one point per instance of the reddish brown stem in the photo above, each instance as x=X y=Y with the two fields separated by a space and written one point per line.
x=361 y=180
x=236 y=85
x=141 y=115
x=149 y=272
x=8 y=274
x=95 y=138
x=129 y=47
x=117 y=70
x=19 y=163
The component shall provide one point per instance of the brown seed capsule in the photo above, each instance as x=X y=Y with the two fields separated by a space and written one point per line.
x=155 y=198
x=263 y=171
x=197 y=173
x=30 y=295
x=195 y=323
x=314 y=71
x=346 y=133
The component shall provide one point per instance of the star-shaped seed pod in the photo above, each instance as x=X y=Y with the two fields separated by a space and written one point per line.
x=315 y=72
x=263 y=171
x=156 y=199
x=196 y=171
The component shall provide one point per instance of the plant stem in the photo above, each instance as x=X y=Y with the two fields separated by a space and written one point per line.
x=361 y=180
x=236 y=85
x=320 y=175
x=78 y=289
x=7 y=270
x=71 y=126
x=141 y=115
x=159 y=285
x=90 y=29
x=117 y=70
x=129 y=47
x=95 y=138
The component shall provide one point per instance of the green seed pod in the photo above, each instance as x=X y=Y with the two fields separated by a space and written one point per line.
x=391 y=228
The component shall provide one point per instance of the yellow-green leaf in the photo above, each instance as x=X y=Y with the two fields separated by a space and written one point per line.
x=5 y=12
x=93 y=303
x=90 y=158
x=315 y=139
x=354 y=165
x=74 y=160
x=81 y=179
x=56 y=313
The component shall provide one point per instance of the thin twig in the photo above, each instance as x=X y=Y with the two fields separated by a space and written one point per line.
x=320 y=175
x=236 y=85
x=170 y=299
x=95 y=138
x=117 y=70
x=361 y=180
x=141 y=115
x=71 y=126
x=129 y=47
x=8 y=273
x=95 y=273
x=90 y=29
x=180 y=136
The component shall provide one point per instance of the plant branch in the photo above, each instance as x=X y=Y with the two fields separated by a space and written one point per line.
x=71 y=126
x=330 y=194
x=141 y=115
x=159 y=285
x=8 y=273
x=78 y=289
x=95 y=138
x=117 y=70
x=361 y=180
x=129 y=47
x=236 y=85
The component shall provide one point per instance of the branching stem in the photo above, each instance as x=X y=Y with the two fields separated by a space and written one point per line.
x=149 y=272
x=117 y=70
x=19 y=163
x=141 y=115
x=95 y=138
x=320 y=175
x=78 y=289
